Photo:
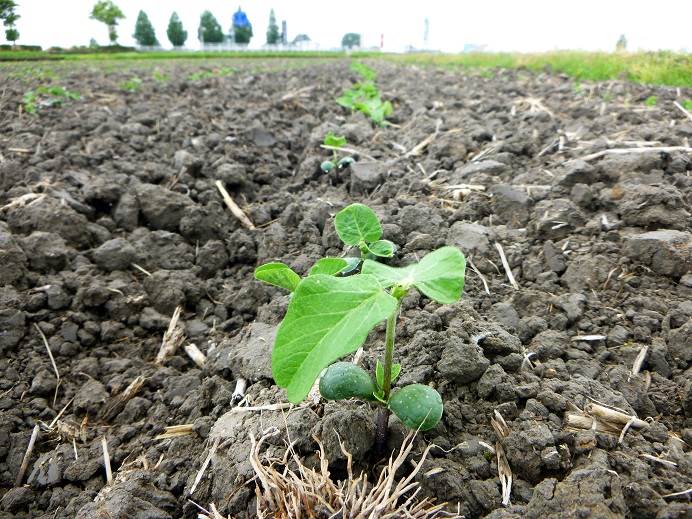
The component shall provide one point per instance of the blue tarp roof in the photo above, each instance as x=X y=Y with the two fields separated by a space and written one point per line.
x=240 y=19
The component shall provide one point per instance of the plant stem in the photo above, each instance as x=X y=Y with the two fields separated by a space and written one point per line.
x=383 y=414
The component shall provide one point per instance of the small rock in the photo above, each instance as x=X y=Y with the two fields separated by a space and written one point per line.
x=17 y=498
x=617 y=335
x=115 y=254
x=489 y=167
x=572 y=304
x=46 y=251
x=556 y=218
x=472 y=238
x=44 y=383
x=90 y=397
x=365 y=176
x=126 y=212
x=247 y=355
x=654 y=207
x=12 y=328
x=510 y=205
x=161 y=207
x=186 y=161
x=232 y=175
x=577 y=171
x=262 y=138
x=581 y=195
x=506 y=315
x=462 y=363
x=12 y=258
x=666 y=251
x=554 y=258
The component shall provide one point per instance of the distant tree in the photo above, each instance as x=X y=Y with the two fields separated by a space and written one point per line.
x=209 y=29
x=93 y=44
x=621 y=44
x=12 y=34
x=9 y=19
x=105 y=11
x=350 y=40
x=144 y=31
x=176 y=34
x=273 y=34
x=301 y=38
x=242 y=28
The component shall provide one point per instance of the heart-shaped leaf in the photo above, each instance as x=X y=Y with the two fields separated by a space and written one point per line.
x=382 y=248
x=328 y=266
x=278 y=274
x=439 y=275
x=327 y=318
x=357 y=223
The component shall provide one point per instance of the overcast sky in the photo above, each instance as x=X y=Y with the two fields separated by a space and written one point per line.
x=512 y=25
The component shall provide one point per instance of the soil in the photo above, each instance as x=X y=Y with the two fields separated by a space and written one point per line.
x=599 y=246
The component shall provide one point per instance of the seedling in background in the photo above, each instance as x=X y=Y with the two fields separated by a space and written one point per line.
x=131 y=85
x=208 y=74
x=687 y=104
x=45 y=97
x=651 y=101
x=330 y=316
x=365 y=97
x=335 y=141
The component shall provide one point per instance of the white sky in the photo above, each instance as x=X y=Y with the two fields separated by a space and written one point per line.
x=512 y=25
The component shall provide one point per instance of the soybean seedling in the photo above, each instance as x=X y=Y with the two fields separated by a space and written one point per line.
x=334 y=142
x=44 y=97
x=331 y=315
x=364 y=96
x=131 y=85
x=651 y=101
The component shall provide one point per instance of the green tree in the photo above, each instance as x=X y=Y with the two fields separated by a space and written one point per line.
x=350 y=40
x=176 y=34
x=144 y=31
x=273 y=34
x=301 y=38
x=9 y=18
x=241 y=30
x=105 y=11
x=209 y=29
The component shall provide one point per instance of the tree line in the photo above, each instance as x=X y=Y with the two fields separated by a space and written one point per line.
x=209 y=30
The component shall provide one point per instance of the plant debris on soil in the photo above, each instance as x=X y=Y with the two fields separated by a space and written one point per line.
x=135 y=343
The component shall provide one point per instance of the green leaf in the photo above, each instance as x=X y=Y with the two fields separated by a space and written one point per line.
x=382 y=248
x=332 y=139
x=439 y=275
x=352 y=265
x=278 y=274
x=357 y=223
x=328 y=266
x=327 y=318
x=379 y=373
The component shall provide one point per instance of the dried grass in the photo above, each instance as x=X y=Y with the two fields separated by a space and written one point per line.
x=303 y=492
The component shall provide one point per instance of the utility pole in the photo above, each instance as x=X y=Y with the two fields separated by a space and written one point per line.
x=426 y=34
x=284 y=33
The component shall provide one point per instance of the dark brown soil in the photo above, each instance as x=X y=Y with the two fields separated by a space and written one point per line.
x=599 y=246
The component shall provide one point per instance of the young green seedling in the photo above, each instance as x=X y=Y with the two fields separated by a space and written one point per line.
x=131 y=85
x=358 y=226
x=44 y=97
x=330 y=316
x=365 y=97
x=334 y=142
